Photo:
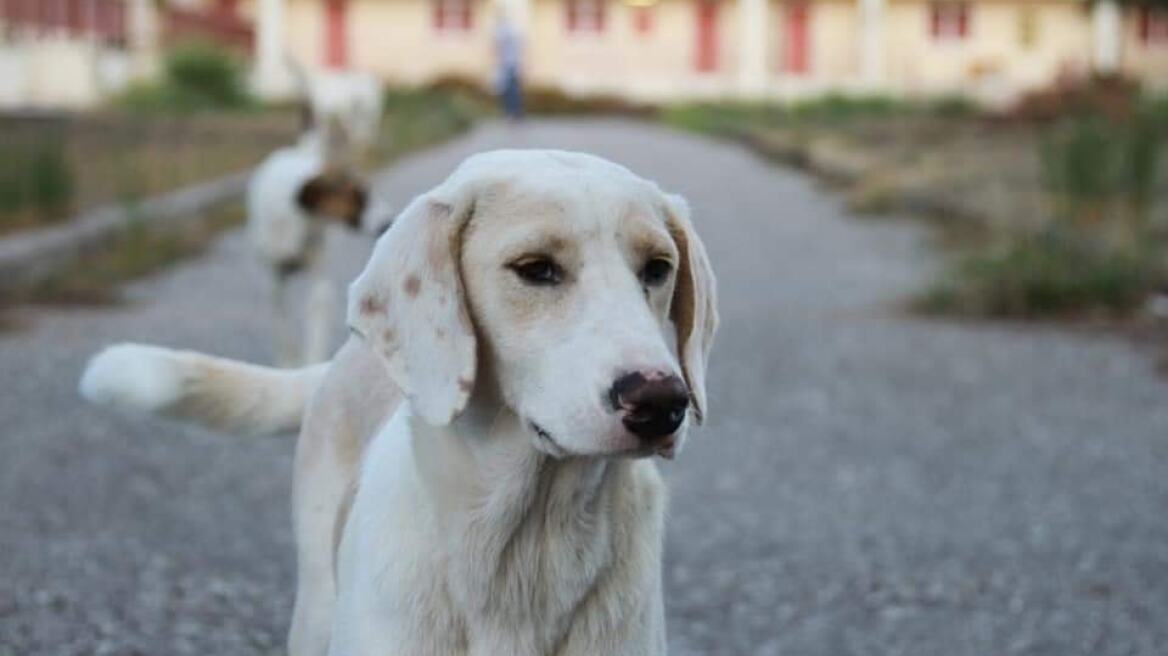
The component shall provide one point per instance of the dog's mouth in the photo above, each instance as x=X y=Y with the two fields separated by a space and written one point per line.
x=667 y=449
x=550 y=444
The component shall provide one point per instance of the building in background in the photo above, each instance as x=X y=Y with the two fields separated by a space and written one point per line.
x=71 y=53
x=74 y=52
x=672 y=49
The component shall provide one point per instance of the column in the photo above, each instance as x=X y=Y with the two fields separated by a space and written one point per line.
x=142 y=35
x=1107 y=32
x=872 y=43
x=271 y=77
x=752 y=56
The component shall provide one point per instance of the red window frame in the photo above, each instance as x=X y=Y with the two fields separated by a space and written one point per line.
x=643 y=20
x=1153 y=26
x=585 y=16
x=336 y=35
x=453 y=15
x=706 y=37
x=949 y=21
x=797 y=38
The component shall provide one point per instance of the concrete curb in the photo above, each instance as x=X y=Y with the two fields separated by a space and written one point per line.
x=28 y=259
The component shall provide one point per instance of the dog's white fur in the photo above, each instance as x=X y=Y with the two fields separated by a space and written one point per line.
x=356 y=99
x=447 y=524
x=289 y=236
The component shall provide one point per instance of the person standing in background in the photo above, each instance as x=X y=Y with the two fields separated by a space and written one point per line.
x=509 y=52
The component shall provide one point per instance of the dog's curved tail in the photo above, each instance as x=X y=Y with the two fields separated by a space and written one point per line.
x=223 y=394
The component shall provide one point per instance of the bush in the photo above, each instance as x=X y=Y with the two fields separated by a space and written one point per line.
x=417 y=117
x=196 y=77
x=1091 y=165
x=550 y=101
x=36 y=184
x=1110 y=96
x=728 y=119
x=838 y=107
x=1054 y=273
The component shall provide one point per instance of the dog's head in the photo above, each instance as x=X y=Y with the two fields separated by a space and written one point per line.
x=583 y=288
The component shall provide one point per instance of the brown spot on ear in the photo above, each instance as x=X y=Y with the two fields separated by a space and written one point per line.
x=440 y=333
x=372 y=305
x=388 y=335
x=312 y=194
x=334 y=197
x=465 y=385
x=412 y=285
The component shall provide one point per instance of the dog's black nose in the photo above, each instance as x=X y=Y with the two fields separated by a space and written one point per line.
x=653 y=404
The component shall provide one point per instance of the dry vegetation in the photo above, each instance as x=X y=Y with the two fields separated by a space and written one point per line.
x=54 y=167
x=1048 y=215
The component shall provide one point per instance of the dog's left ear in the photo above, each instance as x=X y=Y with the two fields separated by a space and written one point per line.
x=335 y=197
x=693 y=309
x=409 y=306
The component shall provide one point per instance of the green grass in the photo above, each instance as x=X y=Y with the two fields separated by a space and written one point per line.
x=36 y=183
x=413 y=120
x=1093 y=167
x=736 y=119
x=1056 y=273
x=196 y=77
x=416 y=118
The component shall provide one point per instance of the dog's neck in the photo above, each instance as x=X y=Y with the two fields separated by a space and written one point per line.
x=510 y=511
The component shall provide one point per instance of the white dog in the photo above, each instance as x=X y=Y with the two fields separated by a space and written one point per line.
x=356 y=99
x=291 y=198
x=472 y=475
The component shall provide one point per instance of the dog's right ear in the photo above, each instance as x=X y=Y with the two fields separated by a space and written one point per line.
x=335 y=197
x=409 y=306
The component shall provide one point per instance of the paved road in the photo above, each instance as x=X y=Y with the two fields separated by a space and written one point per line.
x=869 y=483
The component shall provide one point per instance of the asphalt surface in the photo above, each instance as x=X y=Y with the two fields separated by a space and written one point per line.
x=869 y=482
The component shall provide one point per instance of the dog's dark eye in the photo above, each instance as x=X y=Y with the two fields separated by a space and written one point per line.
x=538 y=271
x=656 y=271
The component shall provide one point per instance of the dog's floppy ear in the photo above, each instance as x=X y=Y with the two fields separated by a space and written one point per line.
x=409 y=306
x=694 y=308
x=334 y=196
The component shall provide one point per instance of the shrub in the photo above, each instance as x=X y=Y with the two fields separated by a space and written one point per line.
x=36 y=184
x=1053 y=273
x=1090 y=165
x=551 y=101
x=835 y=107
x=195 y=77
x=728 y=119
x=416 y=117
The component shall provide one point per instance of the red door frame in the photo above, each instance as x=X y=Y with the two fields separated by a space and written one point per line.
x=797 y=37
x=336 y=35
x=706 y=33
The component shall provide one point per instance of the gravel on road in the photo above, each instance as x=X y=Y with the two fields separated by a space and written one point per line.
x=869 y=483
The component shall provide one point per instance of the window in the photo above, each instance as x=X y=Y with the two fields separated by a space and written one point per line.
x=103 y=19
x=453 y=15
x=643 y=20
x=949 y=21
x=585 y=15
x=1153 y=26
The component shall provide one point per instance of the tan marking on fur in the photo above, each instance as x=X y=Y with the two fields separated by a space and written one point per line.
x=412 y=285
x=342 y=518
x=372 y=305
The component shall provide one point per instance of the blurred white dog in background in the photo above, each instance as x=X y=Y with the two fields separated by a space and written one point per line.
x=353 y=98
x=292 y=199
x=299 y=191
